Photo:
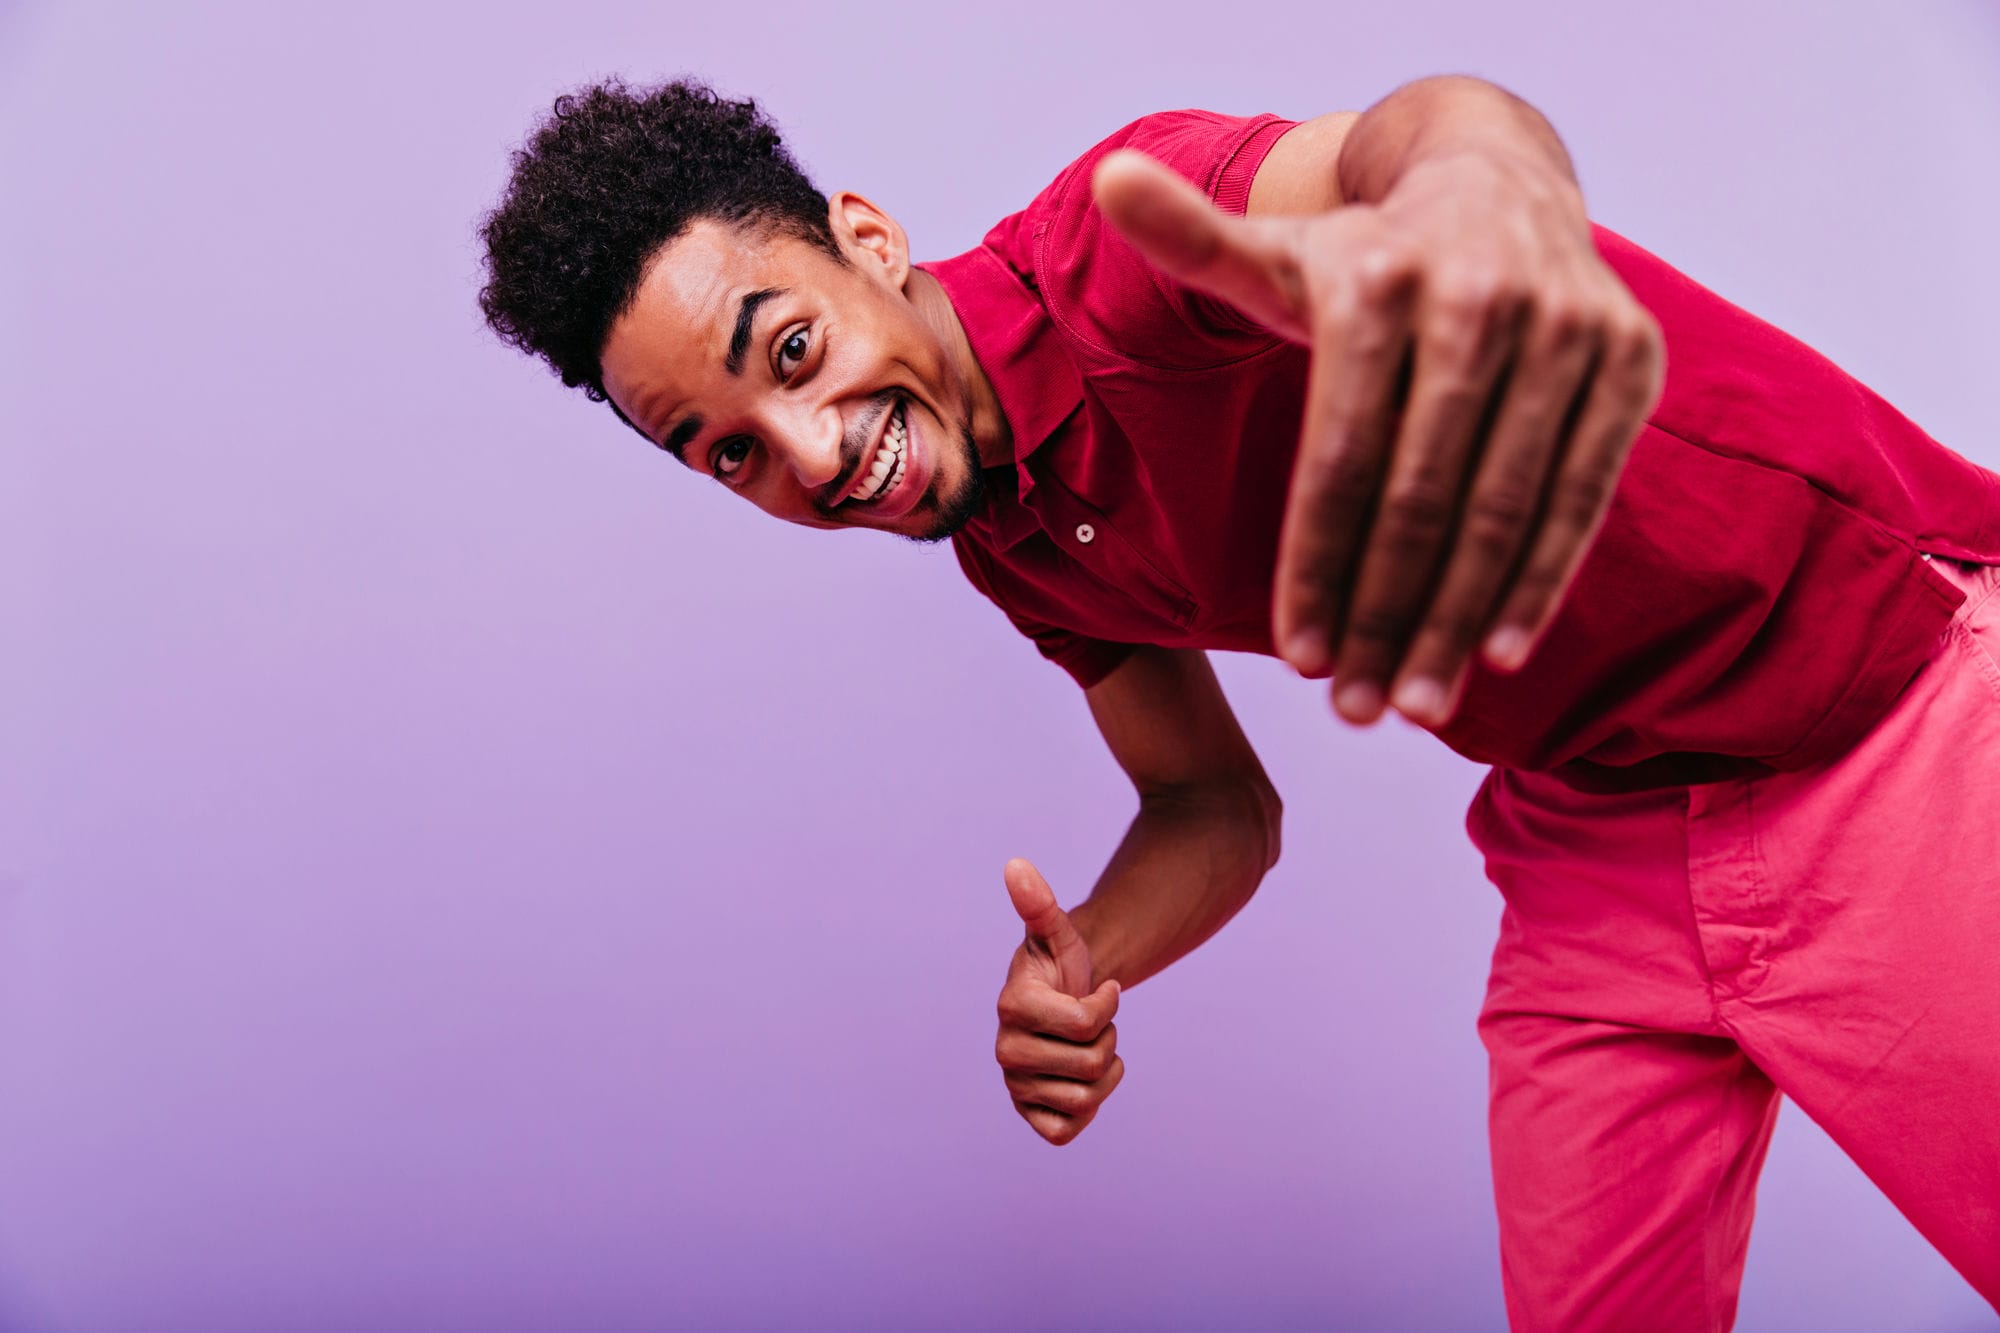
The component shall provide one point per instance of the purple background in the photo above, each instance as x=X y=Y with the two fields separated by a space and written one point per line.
x=437 y=877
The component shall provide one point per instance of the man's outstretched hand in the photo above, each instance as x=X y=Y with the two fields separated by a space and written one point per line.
x=1478 y=377
x=1057 y=1045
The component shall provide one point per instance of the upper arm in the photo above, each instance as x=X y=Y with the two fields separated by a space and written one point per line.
x=1170 y=727
x=1300 y=175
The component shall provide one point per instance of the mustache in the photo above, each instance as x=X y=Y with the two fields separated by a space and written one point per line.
x=857 y=444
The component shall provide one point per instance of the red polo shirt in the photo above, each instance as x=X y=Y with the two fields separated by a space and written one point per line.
x=1755 y=598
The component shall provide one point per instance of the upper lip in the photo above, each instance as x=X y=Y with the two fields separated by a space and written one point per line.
x=868 y=456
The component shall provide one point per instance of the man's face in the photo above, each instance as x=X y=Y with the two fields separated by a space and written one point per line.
x=814 y=389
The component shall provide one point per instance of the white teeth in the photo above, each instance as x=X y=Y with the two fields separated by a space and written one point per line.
x=887 y=468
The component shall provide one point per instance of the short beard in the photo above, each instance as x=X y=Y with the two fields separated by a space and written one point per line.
x=954 y=511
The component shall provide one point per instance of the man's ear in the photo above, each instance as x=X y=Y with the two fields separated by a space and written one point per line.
x=871 y=239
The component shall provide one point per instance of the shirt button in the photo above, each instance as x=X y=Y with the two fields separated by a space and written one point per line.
x=1085 y=533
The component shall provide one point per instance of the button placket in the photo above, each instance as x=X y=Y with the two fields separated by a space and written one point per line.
x=1099 y=548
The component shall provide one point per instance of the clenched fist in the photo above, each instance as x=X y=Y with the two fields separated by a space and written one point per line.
x=1057 y=1045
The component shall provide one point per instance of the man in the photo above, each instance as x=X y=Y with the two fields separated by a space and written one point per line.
x=1370 y=392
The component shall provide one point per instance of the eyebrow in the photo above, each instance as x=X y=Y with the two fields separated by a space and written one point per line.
x=689 y=426
x=746 y=312
x=677 y=439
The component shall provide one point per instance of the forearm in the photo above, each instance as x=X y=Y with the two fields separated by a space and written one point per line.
x=1188 y=863
x=1443 y=117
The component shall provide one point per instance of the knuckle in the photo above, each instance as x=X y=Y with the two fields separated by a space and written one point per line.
x=1455 y=342
x=1339 y=476
x=1538 y=579
x=1418 y=512
x=1478 y=293
x=1357 y=328
x=1291 y=277
x=1491 y=545
x=1384 y=269
x=1569 y=515
x=1585 y=492
x=1464 y=395
x=1495 y=518
x=1568 y=325
x=1636 y=324
x=1627 y=348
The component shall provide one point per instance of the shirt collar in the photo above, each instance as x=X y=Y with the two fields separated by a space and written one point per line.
x=1017 y=345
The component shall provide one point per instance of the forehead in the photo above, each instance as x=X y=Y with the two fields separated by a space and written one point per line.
x=670 y=341
x=697 y=269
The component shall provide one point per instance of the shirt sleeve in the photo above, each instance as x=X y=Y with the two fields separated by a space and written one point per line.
x=1087 y=660
x=1105 y=295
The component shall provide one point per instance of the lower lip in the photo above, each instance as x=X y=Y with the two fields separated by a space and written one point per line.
x=916 y=474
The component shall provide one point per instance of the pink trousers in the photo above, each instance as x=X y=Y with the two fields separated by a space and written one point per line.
x=1671 y=961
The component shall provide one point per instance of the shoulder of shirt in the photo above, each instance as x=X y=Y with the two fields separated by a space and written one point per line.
x=1109 y=304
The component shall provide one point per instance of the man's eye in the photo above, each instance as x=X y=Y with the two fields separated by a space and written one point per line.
x=792 y=352
x=730 y=456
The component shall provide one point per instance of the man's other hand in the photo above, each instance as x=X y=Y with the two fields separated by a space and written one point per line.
x=1478 y=376
x=1057 y=1044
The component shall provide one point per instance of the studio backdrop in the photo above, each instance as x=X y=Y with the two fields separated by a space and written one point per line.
x=444 y=880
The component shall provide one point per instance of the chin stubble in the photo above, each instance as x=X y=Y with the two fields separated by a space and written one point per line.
x=955 y=510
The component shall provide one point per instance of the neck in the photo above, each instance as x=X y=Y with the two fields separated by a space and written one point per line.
x=991 y=435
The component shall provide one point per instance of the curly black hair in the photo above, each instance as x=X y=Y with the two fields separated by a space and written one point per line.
x=609 y=177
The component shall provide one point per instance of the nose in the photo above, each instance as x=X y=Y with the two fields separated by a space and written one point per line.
x=810 y=446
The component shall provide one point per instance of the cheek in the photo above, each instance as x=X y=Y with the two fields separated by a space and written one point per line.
x=779 y=498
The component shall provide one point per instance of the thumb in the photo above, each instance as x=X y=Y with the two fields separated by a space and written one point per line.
x=1049 y=926
x=1181 y=232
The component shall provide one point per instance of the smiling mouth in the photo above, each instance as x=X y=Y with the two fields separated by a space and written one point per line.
x=884 y=472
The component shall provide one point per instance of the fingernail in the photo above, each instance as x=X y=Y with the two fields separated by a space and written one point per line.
x=1420 y=700
x=1359 y=702
x=1507 y=648
x=1306 y=650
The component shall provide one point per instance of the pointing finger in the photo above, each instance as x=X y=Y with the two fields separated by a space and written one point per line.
x=1354 y=389
x=1623 y=391
x=1179 y=230
x=1496 y=523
